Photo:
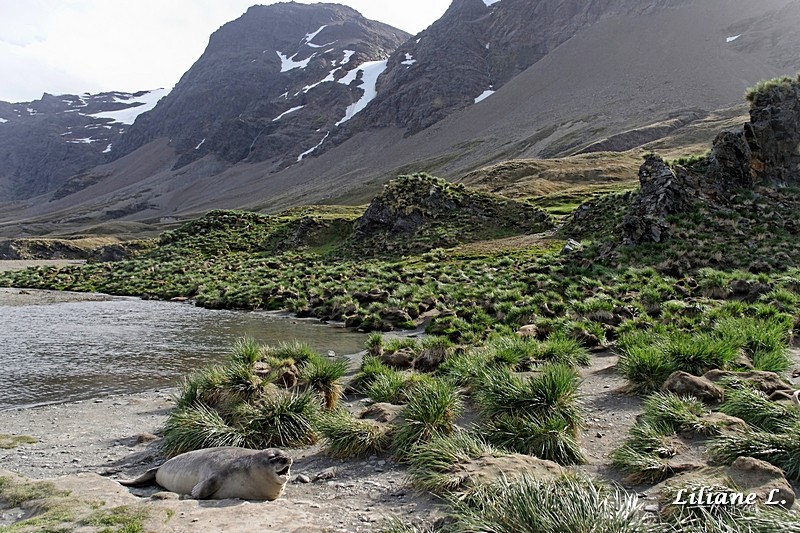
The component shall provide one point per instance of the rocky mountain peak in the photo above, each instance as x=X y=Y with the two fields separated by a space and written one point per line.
x=318 y=63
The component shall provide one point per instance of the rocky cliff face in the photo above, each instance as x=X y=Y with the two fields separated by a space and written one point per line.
x=272 y=85
x=44 y=142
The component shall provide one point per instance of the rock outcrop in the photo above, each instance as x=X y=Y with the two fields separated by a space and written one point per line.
x=422 y=212
x=765 y=152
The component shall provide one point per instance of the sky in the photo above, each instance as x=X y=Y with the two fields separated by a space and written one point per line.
x=77 y=46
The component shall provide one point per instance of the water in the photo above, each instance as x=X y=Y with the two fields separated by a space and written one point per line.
x=78 y=350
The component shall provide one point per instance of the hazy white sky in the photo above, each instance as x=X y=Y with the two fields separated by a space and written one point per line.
x=76 y=46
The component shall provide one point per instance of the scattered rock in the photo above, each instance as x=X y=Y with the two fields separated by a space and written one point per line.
x=746 y=475
x=756 y=476
x=725 y=422
x=766 y=382
x=685 y=384
x=488 y=469
x=571 y=246
x=528 y=331
x=386 y=413
x=328 y=473
x=302 y=478
x=402 y=358
x=143 y=438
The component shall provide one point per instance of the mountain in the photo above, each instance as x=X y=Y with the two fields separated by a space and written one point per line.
x=296 y=104
x=46 y=141
x=271 y=85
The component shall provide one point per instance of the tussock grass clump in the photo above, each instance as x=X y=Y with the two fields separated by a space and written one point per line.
x=562 y=349
x=784 y=83
x=642 y=362
x=282 y=419
x=433 y=464
x=536 y=415
x=388 y=388
x=780 y=449
x=371 y=368
x=218 y=386
x=199 y=426
x=325 y=377
x=432 y=409
x=764 y=342
x=697 y=354
x=549 y=438
x=647 y=359
x=674 y=413
x=246 y=350
x=644 y=454
x=568 y=503
x=756 y=409
x=347 y=437
x=465 y=368
x=300 y=352
x=554 y=392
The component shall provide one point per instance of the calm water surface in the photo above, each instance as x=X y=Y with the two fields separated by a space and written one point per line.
x=79 y=350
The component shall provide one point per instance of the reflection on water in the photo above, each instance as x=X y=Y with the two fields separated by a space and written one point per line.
x=79 y=350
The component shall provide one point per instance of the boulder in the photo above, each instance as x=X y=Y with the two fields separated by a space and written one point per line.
x=766 y=382
x=385 y=413
x=488 y=469
x=752 y=475
x=402 y=358
x=528 y=331
x=685 y=384
x=746 y=475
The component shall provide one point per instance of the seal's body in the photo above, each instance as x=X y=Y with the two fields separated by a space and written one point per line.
x=219 y=473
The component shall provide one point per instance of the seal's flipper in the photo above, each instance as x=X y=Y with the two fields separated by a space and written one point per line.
x=148 y=478
x=206 y=488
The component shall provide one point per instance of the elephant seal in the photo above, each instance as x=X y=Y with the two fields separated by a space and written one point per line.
x=220 y=473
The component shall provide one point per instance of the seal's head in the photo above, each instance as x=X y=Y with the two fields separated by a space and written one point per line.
x=277 y=467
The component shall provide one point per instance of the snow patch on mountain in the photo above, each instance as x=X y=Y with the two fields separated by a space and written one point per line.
x=347 y=55
x=139 y=104
x=409 y=60
x=310 y=36
x=108 y=148
x=484 y=95
x=3 y=121
x=199 y=145
x=87 y=140
x=308 y=152
x=490 y=2
x=731 y=39
x=369 y=83
x=288 y=63
x=292 y=110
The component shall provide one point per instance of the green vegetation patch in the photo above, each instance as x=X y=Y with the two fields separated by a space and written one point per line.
x=9 y=442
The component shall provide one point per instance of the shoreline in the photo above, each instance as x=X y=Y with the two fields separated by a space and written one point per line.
x=83 y=436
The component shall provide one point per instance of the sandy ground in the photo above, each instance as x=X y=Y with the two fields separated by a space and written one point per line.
x=108 y=437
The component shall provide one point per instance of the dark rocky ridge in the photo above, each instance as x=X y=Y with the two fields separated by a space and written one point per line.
x=227 y=103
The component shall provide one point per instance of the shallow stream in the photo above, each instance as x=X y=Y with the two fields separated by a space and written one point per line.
x=80 y=350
